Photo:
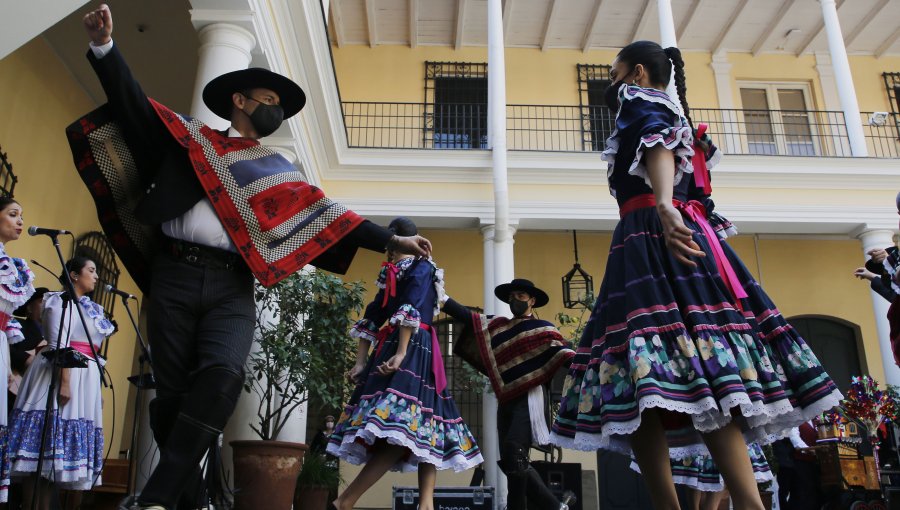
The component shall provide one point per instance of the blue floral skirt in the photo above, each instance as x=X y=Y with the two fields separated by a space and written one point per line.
x=699 y=472
x=668 y=336
x=404 y=409
x=73 y=455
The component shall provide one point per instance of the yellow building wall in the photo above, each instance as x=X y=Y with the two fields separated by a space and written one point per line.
x=801 y=275
x=550 y=77
x=39 y=98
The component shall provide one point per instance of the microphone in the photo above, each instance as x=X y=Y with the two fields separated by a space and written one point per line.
x=52 y=232
x=121 y=293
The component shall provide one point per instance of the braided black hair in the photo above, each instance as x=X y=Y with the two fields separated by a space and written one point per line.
x=659 y=63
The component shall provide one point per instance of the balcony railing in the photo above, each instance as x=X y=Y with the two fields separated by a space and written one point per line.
x=560 y=128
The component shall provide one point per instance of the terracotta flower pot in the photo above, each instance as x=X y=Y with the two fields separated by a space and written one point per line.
x=311 y=498
x=265 y=473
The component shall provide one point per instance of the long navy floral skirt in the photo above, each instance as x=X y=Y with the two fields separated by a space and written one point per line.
x=668 y=336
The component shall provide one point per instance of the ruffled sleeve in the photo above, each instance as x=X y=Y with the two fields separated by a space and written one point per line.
x=15 y=280
x=13 y=332
x=364 y=329
x=96 y=314
x=647 y=118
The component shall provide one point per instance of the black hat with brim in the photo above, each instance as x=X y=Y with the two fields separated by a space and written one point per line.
x=22 y=310
x=217 y=93
x=540 y=297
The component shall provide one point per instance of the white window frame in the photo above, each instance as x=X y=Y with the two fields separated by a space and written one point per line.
x=772 y=88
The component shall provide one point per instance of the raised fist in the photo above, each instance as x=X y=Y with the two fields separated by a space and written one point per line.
x=99 y=25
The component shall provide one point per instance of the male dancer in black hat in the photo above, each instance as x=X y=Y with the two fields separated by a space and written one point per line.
x=518 y=355
x=223 y=209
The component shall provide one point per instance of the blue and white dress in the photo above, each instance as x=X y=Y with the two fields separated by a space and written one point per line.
x=73 y=457
x=16 y=286
x=412 y=407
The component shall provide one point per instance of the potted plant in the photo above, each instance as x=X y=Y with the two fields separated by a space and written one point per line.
x=302 y=346
x=319 y=478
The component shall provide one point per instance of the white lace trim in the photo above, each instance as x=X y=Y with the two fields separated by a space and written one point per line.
x=765 y=422
x=442 y=296
x=680 y=145
x=630 y=92
x=356 y=453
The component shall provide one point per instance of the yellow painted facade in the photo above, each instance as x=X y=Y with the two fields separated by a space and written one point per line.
x=39 y=99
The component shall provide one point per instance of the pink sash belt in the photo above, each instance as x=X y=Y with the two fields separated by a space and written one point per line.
x=697 y=213
x=437 y=361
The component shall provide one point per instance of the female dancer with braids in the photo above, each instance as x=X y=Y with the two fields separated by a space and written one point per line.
x=684 y=353
x=401 y=416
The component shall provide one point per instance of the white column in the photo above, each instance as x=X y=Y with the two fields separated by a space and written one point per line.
x=722 y=71
x=223 y=48
x=503 y=234
x=843 y=79
x=667 y=39
x=882 y=239
x=145 y=455
x=832 y=100
x=490 y=445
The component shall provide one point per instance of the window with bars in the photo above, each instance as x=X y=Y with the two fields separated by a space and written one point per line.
x=467 y=397
x=95 y=246
x=892 y=84
x=597 y=121
x=7 y=178
x=456 y=105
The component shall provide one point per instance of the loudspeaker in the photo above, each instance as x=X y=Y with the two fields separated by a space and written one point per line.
x=561 y=477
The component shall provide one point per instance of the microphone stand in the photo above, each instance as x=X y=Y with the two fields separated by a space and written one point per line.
x=55 y=373
x=140 y=384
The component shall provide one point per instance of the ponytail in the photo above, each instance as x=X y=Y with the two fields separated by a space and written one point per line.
x=674 y=55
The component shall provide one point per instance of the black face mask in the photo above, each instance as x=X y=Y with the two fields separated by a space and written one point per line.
x=266 y=118
x=518 y=307
x=611 y=96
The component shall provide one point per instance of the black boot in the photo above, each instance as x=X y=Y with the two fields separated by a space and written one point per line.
x=204 y=413
x=164 y=413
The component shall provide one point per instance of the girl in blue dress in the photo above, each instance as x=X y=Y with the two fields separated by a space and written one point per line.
x=401 y=417
x=16 y=286
x=684 y=353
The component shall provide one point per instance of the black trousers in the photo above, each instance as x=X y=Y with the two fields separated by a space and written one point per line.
x=526 y=488
x=200 y=318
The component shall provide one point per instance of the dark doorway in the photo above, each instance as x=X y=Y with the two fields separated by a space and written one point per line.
x=835 y=342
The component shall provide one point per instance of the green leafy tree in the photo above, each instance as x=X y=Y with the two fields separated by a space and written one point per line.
x=302 y=346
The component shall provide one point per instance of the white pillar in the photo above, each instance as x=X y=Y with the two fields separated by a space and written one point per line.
x=223 y=48
x=843 y=79
x=145 y=456
x=667 y=39
x=832 y=101
x=503 y=235
x=882 y=239
x=721 y=67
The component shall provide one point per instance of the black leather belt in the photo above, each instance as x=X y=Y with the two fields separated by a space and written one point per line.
x=205 y=256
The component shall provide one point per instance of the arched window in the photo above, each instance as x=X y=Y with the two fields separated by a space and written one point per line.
x=96 y=247
x=835 y=342
x=7 y=178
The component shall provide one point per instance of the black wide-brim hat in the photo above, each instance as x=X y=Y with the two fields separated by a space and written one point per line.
x=22 y=310
x=217 y=93
x=540 y=297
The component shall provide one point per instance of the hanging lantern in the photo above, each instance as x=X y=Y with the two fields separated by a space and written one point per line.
x=578 y=286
